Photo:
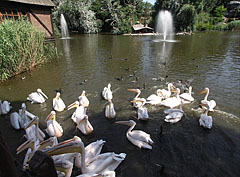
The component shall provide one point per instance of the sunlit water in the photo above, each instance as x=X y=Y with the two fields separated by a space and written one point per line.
x=185 y=149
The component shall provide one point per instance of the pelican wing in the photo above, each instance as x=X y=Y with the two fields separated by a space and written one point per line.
x=141 y=136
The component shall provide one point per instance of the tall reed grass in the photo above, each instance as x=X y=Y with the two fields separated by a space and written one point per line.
x=22 y=47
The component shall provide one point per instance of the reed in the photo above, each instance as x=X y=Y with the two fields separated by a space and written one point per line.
x=22 y=47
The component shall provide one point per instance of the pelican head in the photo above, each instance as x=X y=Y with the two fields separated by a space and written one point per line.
x=83 y=93
x=129 y=122
x=73 y=105
x=34 y=121
x=52 y=116
x=23 y=106
x=41 y=92
x=109 y=85
x=159 y=93
x=58 y=95
x=73 y=145
x=204 y=91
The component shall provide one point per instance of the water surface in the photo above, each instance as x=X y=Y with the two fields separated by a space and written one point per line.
x=185 y=149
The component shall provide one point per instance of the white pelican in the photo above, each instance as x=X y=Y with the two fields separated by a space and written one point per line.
x=37 y=97
x=155 y=99
x=19 y=120
x=97 y=166
x=85 y=126
x=172 y=101
x=53 y=127
x=58 y=104
x=211 y=104
x=4 y=107
x=174 y=115
x=83 y=100
x=187 y=97
x=142 y=111
x=167 y=93
x=138 y=91
x=64 y=166
x=205 y=120
x=107 y=93
x=109 y=110
x=103 y=174
x=33 y=131
x=137 y=137
x=79 y=113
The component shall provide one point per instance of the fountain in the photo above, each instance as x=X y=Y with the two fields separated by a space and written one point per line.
x=164 y=25
x=64 y=28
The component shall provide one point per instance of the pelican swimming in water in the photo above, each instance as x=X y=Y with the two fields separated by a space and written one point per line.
x=138 y=103
x=58 y=104
x=167 y=93
x=155 y=99
x=109 y=110
x=172 y=101
x=79 y=113
x=83 y=100
x=53 y=127
x=174 y=115
x=137 y=137
x=107 y=93
x=37 y=97
x=98 y=165
x=211 y=104
x=187 y=97
x=85 y=126
x=205 y=120
x=4 y=107
x=142 y=110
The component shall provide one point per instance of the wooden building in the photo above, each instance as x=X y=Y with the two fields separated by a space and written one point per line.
x=38 y=12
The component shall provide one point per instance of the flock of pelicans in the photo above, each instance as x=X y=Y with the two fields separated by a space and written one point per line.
x=90 y=159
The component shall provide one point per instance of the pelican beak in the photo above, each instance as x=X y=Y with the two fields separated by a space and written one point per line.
x=122 y=122
x=25 y=145
x=107 y=103
x=63 y=166
x=69 y=146
x=34 y=121
x=43 y=94
x=48 y=142
x=202 y=92
x=173 y=88
x=73 y=105
x=135 y=101
x=132 y=90
x=81 y=121
x=50 y=116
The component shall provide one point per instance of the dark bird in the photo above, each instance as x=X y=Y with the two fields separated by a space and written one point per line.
x=83 y=82
x=125 y=59
x=119 y=79
x=59 y=90
x=127 y=69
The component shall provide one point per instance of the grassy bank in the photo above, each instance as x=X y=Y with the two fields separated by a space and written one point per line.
x=22 y=47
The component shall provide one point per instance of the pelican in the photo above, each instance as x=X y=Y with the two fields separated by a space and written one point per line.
x=85 y=126
x=83 y=100
x=173 y=101
x=167 y=93
x=58 y=104
x=64 y=166
x=211 y=104
x=187 y=97
x=174 y=115
x=79 y=113
x=155 y=99
x=97 y=166
x=107 y=93
x=109 y=110
x=138 y=91
x=33 y=131
x=19 y=120
x=103 y=174
x=37 y=97
x=137 y=137
x=205 y=120
x=4 y=107
x=53 y=127
x=142 y=111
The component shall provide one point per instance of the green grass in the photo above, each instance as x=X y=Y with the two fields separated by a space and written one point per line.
x=22 y=47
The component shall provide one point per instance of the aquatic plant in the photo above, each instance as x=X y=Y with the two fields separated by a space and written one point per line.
x=22 y=47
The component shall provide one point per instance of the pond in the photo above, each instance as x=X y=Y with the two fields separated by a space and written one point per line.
x=90 y=62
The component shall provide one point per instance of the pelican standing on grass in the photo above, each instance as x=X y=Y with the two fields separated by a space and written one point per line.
x=53 y=127
x=97 y=166
x=58 y=104
x=107 y=93
x=109 y=110
x=4 y=107
x=37 y=97
x=137 y=137
x=211 y=104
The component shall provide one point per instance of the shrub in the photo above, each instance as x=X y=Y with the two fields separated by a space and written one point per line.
x=21 y=48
